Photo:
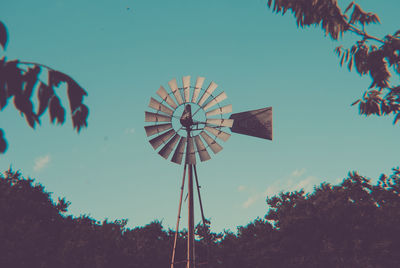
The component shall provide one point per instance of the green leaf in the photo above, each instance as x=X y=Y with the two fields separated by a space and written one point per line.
x=349 y=6
x=22 y=103
x=375 y=18
x=25 y=106
x=56 y=110
x=350 y=66
x=354 y=103
x=75 y=94
x=30 y=78
x=3 y=92
x=14 y=78
x=397 y=118
x=338 y=50
x=3 y=35
x=56 y=77
x=3 y=142
x=31 y=119
x=79 y=117
x=44 y=94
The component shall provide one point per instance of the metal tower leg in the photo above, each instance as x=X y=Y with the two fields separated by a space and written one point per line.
x=198 y=192
x=190 y=250
x=201 y=210
x=179 y=217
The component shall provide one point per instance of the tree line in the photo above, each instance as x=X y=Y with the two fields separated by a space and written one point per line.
x=352 y=224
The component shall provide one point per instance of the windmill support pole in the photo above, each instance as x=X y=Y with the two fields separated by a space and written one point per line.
x=201 y=209
x=190 y=250
x=190 y=242
x=179 y=217
x=198 y=192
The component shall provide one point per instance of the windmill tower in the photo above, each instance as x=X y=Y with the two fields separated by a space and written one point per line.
x=188 y=121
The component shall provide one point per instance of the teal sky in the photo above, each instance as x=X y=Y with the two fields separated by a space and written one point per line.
x=122 y=51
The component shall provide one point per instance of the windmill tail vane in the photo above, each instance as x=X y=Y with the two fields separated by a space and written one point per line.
x=190 y=121
x=256 y=123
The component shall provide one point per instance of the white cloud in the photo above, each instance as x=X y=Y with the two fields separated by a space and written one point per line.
x=241 y=188
x=307 y=184
x=270 y=191
x=298 y=172
x=130 y=130
x=294 y=181
x=250 y=201
x=41 y=162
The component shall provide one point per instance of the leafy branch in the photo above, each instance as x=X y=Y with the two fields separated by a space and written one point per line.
x=378 y=57
x=19 y=80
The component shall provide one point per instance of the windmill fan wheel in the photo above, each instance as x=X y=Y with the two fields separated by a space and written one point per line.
x=188 y=121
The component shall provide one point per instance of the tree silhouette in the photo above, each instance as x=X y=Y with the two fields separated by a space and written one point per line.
x=19 y=80
x=378 y=57
x=35 y=232
x=353 y=224
x=30 y=223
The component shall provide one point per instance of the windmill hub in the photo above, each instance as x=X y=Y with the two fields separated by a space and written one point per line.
x=186 y=118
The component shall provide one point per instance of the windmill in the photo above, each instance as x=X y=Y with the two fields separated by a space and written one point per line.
x=188 y=121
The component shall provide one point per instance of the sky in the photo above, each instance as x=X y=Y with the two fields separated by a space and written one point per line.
x=121 y=51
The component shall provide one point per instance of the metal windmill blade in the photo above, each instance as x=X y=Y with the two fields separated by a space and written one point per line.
x=175 y=90
x=220 y=110
x=197 y=88
x=167 y=149
x=186 y=87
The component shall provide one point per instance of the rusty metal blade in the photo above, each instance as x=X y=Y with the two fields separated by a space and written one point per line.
x=190 y=152
x=156 y=105
x=207 y=93
x=154 y=129
x=152 y=117
x=178 y=154
x=220 y=110
x=175 y=90
x=197 y=88
x=186 y=87
x=215 y=147
x=215 y=100
x=203 y=154
x=256 y=123
x=163 y=138
x=167 y=149
x=218 y=133
x=220 y=122
x=166 y=97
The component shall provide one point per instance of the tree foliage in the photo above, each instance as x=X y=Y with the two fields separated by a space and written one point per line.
x=20 y=80
x=36 y=232
x=353 y=224
x=377 y=57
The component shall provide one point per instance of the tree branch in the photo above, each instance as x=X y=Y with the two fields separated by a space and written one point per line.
x=355 y=30
x=37 y=64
